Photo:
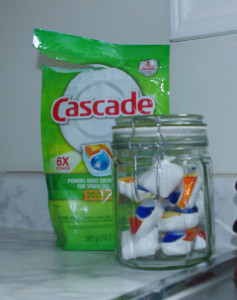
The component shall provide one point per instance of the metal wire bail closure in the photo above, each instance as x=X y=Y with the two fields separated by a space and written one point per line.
x=135 y=148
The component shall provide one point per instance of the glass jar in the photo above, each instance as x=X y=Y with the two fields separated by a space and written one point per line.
x=163 y=191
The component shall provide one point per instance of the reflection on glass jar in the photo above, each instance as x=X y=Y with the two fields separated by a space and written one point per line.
x=164 y=193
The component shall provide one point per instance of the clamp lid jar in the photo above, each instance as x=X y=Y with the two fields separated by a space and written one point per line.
x=163 y=191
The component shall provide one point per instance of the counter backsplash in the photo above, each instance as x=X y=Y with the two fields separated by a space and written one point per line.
x=24 y=204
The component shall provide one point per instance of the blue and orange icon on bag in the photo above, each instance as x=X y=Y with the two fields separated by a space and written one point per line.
x=98 y=159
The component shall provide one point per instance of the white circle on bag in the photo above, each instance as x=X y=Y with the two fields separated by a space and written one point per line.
x=96 y=84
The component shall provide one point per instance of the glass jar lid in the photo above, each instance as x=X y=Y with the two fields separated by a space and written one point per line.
x=167 y=130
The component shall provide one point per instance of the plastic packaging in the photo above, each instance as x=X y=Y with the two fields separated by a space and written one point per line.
x=77 y=114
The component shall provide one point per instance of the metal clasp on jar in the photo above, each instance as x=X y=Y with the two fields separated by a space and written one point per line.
x=136 y=148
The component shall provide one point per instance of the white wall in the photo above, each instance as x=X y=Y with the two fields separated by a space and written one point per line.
x=204 y=81
x=203 y=72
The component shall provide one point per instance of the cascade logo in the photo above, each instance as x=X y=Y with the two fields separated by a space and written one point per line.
x=65 y=108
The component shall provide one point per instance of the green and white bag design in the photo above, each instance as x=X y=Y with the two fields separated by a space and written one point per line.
x=77 y=114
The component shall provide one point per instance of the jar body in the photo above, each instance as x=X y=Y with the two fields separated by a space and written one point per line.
x=164 y=206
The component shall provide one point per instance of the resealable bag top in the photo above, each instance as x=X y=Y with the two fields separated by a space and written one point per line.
x=78 y=110
x=148 y=65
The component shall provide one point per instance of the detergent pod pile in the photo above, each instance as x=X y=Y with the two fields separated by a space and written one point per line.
x=164 y=193
x=79 y=106
x=175 y=215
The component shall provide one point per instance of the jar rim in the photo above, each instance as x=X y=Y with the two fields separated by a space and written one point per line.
x=175 y=129
x=163 y=120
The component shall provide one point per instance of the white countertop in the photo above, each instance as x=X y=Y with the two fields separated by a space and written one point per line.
x=33 y=268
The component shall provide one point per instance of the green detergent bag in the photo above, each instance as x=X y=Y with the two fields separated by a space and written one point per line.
x=78 y=110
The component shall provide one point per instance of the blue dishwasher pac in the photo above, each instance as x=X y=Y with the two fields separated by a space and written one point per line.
x=99 y=164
